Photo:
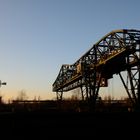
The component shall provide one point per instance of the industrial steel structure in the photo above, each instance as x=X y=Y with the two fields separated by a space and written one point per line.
x=116 y=52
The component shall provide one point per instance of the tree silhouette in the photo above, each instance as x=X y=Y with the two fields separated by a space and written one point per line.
x=22 y=95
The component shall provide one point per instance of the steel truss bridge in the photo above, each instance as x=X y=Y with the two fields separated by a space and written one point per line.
x=115 y=53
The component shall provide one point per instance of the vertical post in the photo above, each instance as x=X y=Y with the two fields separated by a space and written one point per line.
x=82 y=93
x=59 y=95
x=138 y=94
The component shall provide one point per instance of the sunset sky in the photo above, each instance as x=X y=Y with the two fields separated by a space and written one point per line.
x=38 y=36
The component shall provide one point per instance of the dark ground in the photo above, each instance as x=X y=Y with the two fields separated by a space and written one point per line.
x=69 y=125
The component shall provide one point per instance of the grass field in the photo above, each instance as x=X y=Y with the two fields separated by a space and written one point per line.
x=50 y=120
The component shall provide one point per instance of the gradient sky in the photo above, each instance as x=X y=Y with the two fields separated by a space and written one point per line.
x=38 y=36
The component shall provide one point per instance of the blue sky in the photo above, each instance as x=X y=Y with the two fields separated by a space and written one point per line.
x=38 y=36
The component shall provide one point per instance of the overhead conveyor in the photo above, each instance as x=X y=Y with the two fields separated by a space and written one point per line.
x=116 y=52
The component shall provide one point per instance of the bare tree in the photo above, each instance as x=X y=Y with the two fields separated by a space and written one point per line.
x=22 y=95
x=76 y=94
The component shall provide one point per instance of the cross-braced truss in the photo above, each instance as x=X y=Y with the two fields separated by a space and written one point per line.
x=116 y=52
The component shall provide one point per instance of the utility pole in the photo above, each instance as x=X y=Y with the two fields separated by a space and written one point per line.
x=2 y=83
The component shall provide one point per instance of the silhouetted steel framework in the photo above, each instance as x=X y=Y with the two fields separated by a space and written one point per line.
x=116 y=52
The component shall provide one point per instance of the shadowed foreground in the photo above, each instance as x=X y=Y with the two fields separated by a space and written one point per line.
x=69 y=125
